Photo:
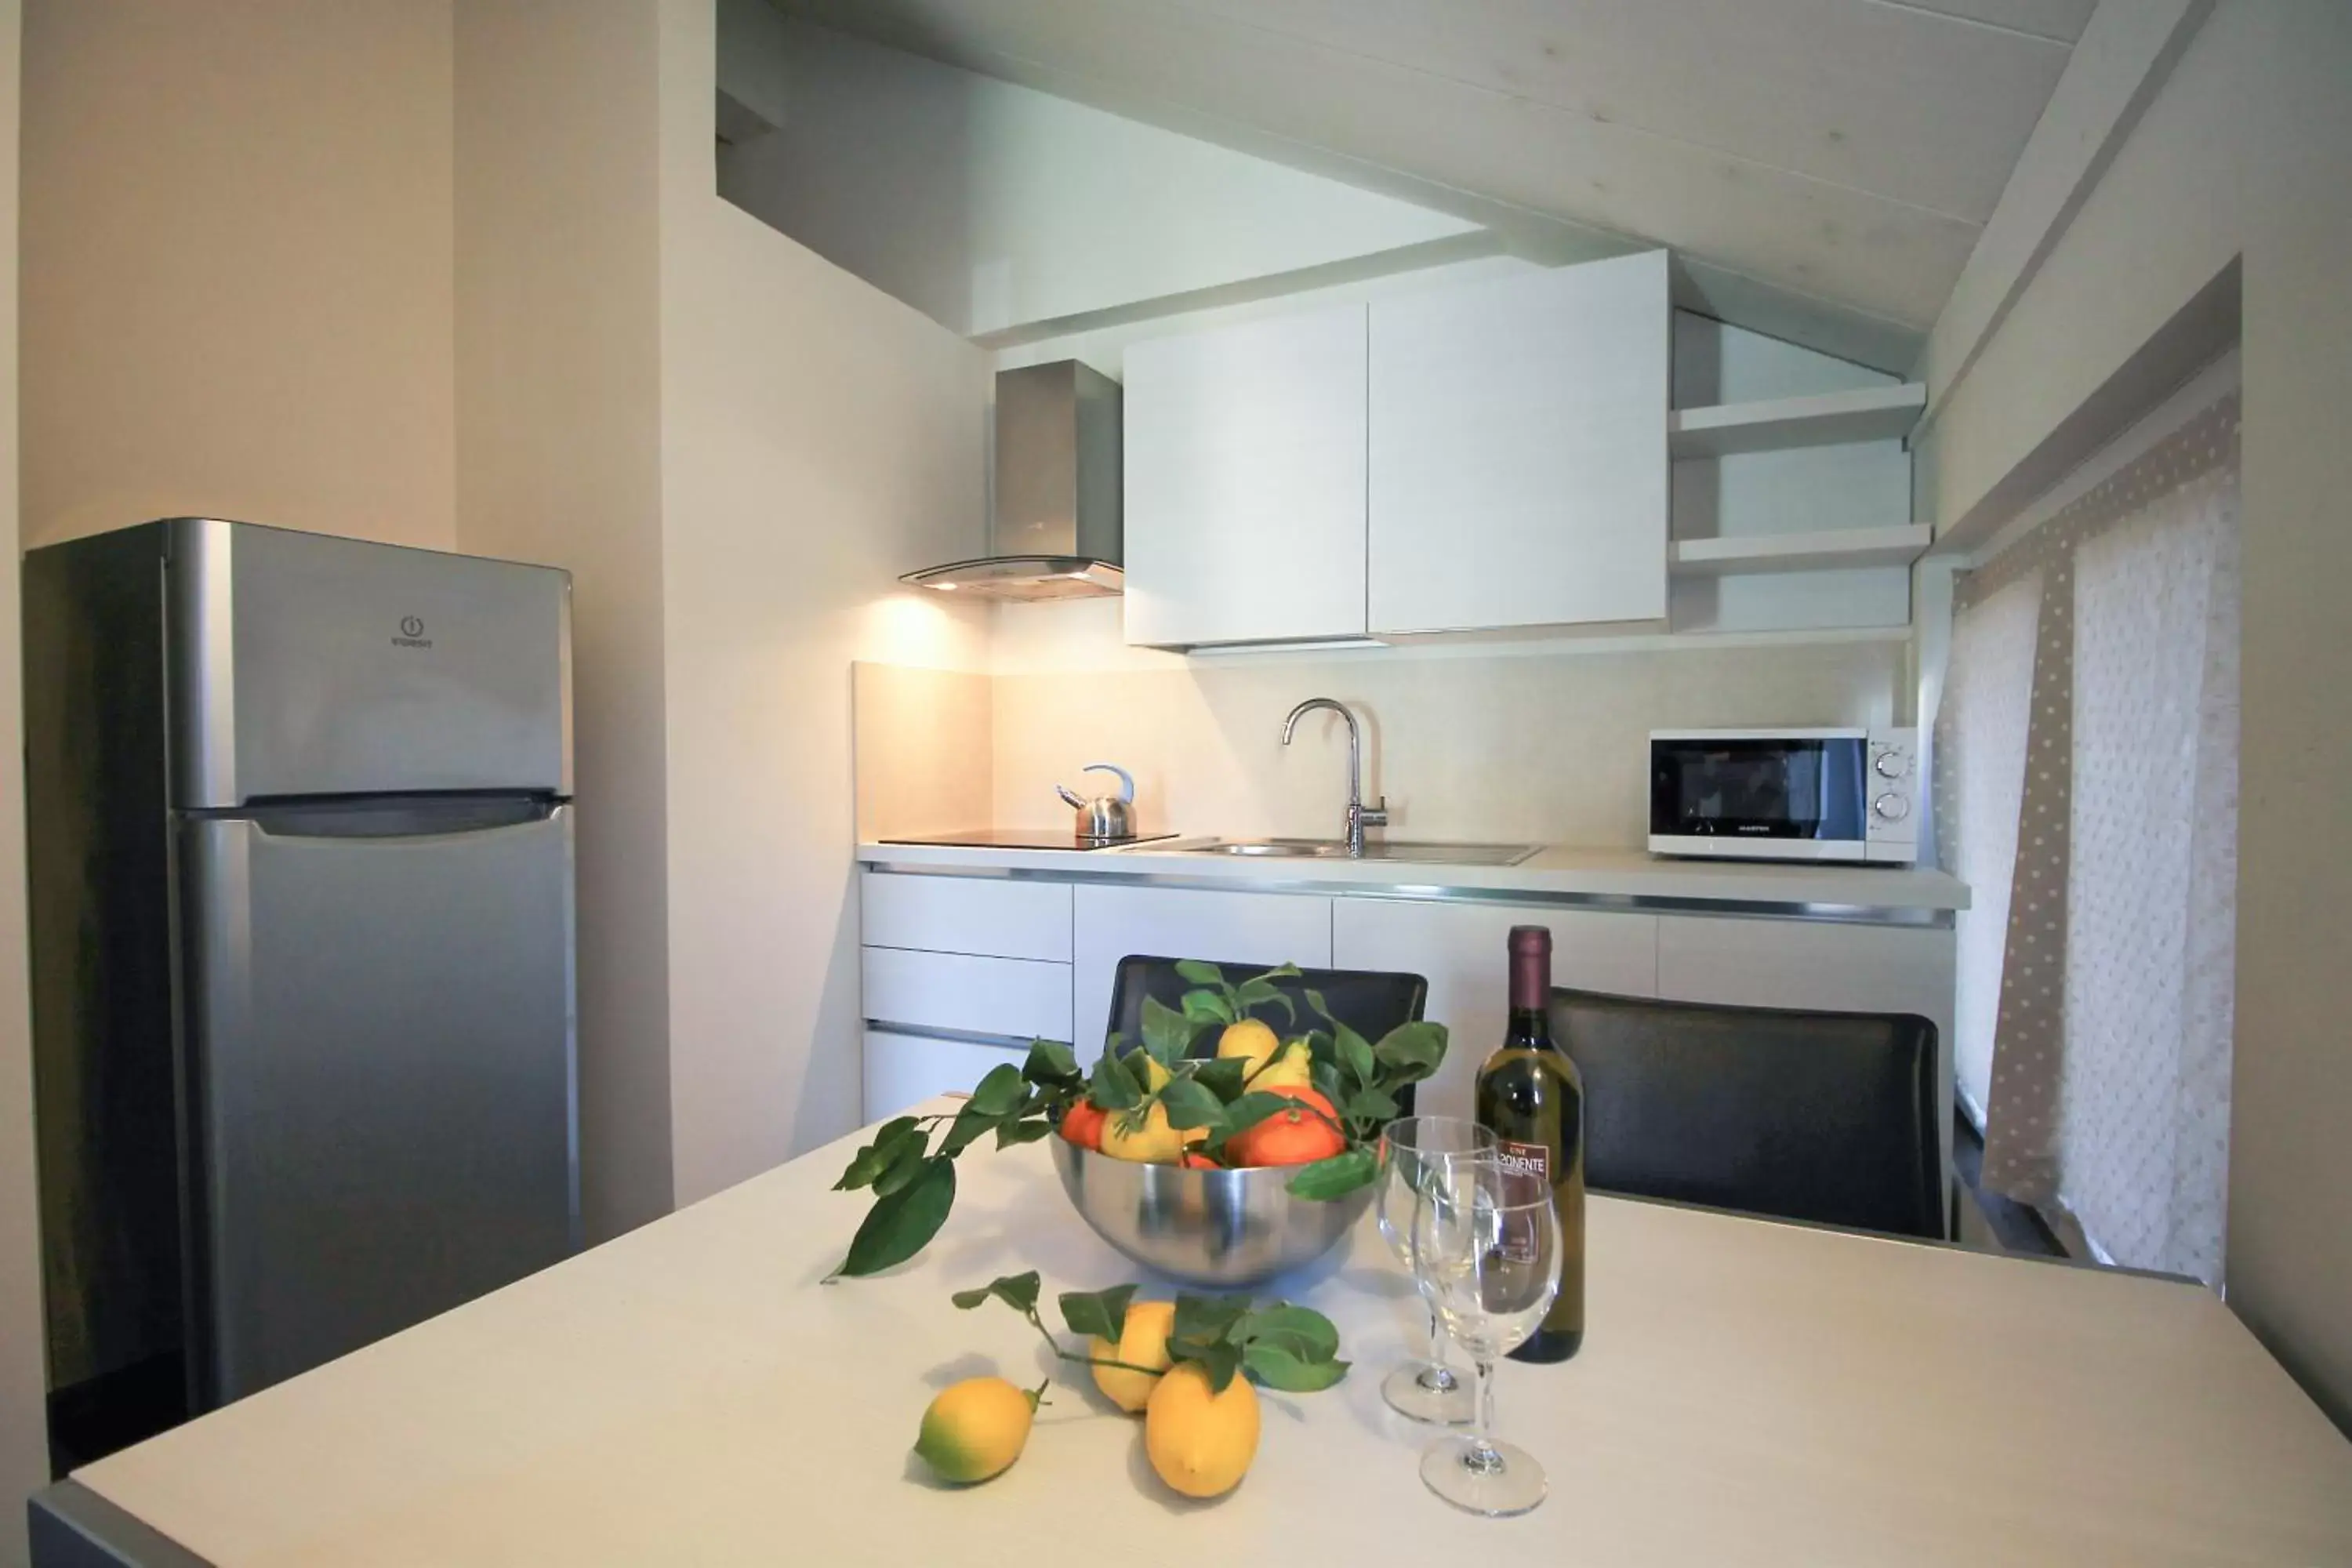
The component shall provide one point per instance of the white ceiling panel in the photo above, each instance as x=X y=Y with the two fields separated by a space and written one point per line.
x=1845 y=151
x=1904 y=103
x=2061 y=19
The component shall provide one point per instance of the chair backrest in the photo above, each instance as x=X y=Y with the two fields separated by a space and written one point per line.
x=1371 y=1002
x=1826 y=1117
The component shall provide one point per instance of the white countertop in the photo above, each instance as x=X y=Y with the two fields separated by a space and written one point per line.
x=1751 y=1393
x=1554 y=871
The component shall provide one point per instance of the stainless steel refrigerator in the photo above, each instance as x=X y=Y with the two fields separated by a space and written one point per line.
x=301 y=858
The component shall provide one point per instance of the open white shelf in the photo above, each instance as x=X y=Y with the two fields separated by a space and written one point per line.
x=1829 y=549
x=1822 y=419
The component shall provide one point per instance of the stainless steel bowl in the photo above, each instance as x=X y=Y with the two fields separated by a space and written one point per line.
x=1224 y=1228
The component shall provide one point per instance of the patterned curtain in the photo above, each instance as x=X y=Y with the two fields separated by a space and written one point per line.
x=2086 y=761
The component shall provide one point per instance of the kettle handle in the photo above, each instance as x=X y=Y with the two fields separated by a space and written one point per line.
x=1125 y=779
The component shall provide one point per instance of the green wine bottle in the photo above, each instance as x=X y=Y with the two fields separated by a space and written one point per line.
x=1529 y=1094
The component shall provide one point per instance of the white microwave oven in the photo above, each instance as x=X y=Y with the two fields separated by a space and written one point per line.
x=1785 y=794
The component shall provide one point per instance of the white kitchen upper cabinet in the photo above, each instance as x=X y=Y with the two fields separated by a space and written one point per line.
x=1518 y=450
x=1245 y=470
x=1232 y=929
x=1459 y=948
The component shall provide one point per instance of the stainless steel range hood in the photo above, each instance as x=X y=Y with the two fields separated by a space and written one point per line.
x=1055 y=532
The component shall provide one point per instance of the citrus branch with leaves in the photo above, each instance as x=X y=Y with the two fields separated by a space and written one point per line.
x=1278 y=1345
x=914 y=1182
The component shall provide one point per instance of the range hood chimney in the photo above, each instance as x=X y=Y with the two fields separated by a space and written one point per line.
x=1055 y=533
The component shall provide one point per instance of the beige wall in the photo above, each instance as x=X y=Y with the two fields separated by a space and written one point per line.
x=818 y=438
x=1544 y=743
x=237 y=280
x=559 y=460
x=2243 y=153
x=24 y=1426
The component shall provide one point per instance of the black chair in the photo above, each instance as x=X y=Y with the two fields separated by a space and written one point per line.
x=1368 y=1001
x=1824 y=1117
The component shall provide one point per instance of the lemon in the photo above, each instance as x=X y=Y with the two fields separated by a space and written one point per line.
x=975 y=1428
x=1147 y=1139
x=1142 y=1341
x=1155 y=1077
x=1293 y=1068
x=1252 y=1040
x=1201 y=1443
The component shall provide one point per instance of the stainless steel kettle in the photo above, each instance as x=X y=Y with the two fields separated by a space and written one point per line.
x=1106 y=816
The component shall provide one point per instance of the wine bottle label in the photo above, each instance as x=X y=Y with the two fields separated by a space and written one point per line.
x=1526 y=1160
x=1523 y=1160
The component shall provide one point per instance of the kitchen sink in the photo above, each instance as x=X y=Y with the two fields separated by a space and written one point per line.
x=1334 y=850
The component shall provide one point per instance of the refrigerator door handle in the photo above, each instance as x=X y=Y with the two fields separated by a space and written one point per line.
x=395 y=819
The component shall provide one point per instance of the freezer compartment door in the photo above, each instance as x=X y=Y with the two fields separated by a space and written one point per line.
x=380 y=1052
x=304 y=665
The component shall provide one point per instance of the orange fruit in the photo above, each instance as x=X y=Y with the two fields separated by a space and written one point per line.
x=1083 y=1124
x=1294 y=1137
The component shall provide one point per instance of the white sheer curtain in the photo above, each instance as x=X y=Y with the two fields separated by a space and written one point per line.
x=1987 y=697
x=2152 y=887
x=2086 y=767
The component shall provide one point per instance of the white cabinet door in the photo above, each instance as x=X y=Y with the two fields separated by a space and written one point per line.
x=1518 y=450
x=1018 y=997
x=1244 y=478
x=1459 y=949
x=901 y=1071
x=1113 y=923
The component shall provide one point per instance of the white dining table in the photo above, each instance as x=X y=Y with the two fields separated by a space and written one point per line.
x=1748 y=1393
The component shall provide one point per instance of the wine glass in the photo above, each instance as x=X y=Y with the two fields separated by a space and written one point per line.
x=1486 y=1247
x=1426 y=1389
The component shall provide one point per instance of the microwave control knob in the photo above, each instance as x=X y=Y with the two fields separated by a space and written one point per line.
x=1891 y=765
x=1891 y=807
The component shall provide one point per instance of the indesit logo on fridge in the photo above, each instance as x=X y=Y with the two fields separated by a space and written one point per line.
x=412 y=633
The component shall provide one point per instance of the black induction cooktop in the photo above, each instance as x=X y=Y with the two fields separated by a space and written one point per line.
x=1024 y=838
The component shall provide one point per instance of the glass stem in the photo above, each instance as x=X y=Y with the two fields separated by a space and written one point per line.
x=1436 y=1376
x=1479 y=1455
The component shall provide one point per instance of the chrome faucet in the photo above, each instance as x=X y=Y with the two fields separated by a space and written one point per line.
x=1359 y=815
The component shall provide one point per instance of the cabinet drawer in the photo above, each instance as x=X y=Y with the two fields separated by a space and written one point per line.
x=1021 y=997
x=901 y=1071
x=993 y=917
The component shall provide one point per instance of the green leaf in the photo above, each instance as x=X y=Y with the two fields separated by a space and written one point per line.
x=1355 y=1056
x=905 y=1166
x=898 y=1226
x=1167 y=1034
x=1221 y=1076
x=868 y=1164
x=1113 y=1088
x=1334 y=1178
x=971 y=1125
x=1303 y=1330
x=1369 y=1105
x=1196 y=972
x=1325 y=1075
x=1260 y=991
x=1409 y=1047
x=1188 y=1105
x=1099 y=1314
x=1248 y=1111
x=1053 y=1063
x=1278 y=1368
x=1017 y=1290
x=1205 y=1318
x=1205 y=1007
x=1218 y=1358
x=999 y=1092
x=1008 y=1133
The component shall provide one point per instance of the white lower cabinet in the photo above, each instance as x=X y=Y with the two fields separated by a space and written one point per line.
x=1016 y=997
x=902 y=1070
x=1460 y=949
x=1114 y=922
